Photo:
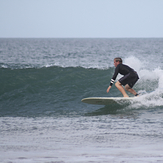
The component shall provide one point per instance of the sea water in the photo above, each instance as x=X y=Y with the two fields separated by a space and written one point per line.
x=41 y=114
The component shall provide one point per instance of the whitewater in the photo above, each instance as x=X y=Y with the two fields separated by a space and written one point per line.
x=41 y=114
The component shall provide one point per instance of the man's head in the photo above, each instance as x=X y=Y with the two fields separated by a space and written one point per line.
x=117 y=61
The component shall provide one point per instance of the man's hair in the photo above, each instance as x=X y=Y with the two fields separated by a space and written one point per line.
x=118 y=59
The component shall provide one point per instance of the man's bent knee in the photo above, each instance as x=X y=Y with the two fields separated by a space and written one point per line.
x=127 y=87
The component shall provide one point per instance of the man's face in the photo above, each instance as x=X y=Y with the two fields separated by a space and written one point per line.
x=116 y=63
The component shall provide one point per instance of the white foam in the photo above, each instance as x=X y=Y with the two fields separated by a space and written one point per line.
x=149 y=100
x=150 y=84
x=134 y=62
x=4 y=66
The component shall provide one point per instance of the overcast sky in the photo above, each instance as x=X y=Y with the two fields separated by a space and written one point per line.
x=81 y=18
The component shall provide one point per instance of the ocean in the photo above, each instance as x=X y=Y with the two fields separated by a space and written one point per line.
x=42 y=83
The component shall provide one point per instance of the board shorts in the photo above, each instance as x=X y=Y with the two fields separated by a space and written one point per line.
x=130 y=79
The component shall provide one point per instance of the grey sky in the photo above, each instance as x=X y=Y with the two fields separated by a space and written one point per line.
x=81 y=18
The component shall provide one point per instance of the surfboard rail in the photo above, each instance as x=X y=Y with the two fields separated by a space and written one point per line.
x=105 y=100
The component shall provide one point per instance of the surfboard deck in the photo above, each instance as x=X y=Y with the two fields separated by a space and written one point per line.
x=106 y=100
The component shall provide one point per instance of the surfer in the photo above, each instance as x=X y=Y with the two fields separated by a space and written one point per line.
x=128 y=80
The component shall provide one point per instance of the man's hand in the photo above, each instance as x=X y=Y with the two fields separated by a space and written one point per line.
x=108 y=89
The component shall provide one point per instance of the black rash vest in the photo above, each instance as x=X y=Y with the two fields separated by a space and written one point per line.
x=122 y=69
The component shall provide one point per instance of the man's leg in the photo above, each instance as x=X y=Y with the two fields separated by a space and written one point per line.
x=121 y=89
x=129 y=89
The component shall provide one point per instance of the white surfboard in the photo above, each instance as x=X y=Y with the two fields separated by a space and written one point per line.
x=106 y=100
